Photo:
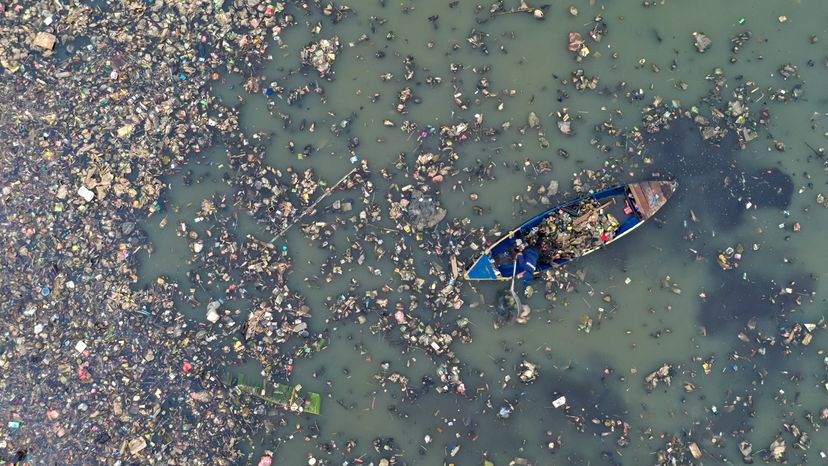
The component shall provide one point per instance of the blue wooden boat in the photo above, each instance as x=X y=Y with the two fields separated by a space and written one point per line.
x=631 y=205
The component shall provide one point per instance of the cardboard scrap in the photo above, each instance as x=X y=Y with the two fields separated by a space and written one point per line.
x=45 y=40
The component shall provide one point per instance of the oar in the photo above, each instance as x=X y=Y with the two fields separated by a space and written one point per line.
x=514 y=294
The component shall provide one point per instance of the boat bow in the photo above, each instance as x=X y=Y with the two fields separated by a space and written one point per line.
x=482 y=269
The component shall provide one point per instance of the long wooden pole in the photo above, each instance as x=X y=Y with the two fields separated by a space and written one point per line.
x=512 y=289
x=583 y=218
x=313 y=206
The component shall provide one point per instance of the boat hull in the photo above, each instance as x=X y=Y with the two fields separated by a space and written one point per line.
x=645 y=198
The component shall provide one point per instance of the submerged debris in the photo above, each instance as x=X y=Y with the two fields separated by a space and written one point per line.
x=527 y=372
x=661 y=375
x=423 y=210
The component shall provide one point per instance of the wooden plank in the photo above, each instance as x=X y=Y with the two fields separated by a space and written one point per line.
x=647 y=190
x=641 y=200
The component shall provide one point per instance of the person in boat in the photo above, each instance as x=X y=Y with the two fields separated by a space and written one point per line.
x=527 y=264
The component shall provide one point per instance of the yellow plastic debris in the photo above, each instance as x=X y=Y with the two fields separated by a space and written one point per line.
x=124 y=131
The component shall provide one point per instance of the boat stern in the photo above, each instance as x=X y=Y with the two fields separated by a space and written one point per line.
x=650 y=196
x=672 y=186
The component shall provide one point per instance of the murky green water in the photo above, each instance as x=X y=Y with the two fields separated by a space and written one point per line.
x=645 y=323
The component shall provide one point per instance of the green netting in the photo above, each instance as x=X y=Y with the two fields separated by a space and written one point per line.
x=313 y=404
x=282 y=396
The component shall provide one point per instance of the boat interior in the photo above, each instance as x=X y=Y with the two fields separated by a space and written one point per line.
x=619 y=203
